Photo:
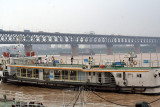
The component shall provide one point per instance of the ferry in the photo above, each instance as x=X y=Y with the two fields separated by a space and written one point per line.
x=126 y=77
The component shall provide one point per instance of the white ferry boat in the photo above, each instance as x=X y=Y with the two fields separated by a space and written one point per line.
x=116 y=76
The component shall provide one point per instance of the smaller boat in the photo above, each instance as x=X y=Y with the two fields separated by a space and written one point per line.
x=18 y=99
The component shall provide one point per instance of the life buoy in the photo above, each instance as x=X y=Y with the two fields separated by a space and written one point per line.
x=132 y=63
x=135 y=62
x=125 y=82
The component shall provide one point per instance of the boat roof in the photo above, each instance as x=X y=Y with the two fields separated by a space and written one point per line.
x=123 y=69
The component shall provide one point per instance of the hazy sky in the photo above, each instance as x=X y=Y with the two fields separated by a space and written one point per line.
x=123 y=17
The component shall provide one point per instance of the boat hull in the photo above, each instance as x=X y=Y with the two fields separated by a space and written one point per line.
x=87 y=86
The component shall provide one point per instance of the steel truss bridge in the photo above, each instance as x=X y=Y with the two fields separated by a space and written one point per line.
x=29 y=38
x=13 y=37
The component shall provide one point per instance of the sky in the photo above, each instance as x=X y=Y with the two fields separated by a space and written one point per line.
x=119 y=17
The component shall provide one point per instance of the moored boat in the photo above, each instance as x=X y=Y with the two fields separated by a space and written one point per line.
x=114 y=76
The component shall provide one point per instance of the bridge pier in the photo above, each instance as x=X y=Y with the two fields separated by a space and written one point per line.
x=109 y=49
x=158 y=48
x=27 y=48
x=74 y=49
x=137 y=48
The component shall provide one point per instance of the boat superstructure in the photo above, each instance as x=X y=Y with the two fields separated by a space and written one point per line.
x=114 y=76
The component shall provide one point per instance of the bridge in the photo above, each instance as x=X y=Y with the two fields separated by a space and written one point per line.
x=29 y=38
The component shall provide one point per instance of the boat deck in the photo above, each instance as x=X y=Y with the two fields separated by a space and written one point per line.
x=80 y=67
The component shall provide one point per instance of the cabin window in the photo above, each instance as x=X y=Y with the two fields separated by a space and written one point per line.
x=57 y=74
x=139 y=75
x=93 y=73
x=73 y=75
x=89 y=73
x=23 y=72
x=29 y=73
x=64 y=74
x=35 y=73
x=130 y=75
x=46 y=74
x=119 y=75
x=81 y=76
x=18 y=71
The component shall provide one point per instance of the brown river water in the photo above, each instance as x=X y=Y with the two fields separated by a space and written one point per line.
x=58 y=97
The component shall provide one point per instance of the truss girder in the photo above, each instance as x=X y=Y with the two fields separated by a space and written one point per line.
x=10 y=37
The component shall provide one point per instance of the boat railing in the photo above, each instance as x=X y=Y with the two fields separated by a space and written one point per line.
x=81 y=63
x=134 y=63
x=50 y=64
